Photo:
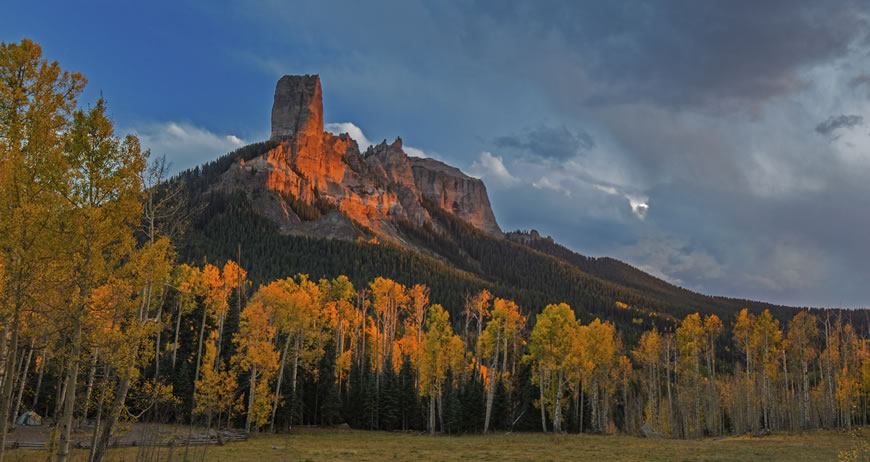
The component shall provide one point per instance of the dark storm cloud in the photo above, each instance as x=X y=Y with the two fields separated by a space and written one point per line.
x=703 y=110
x=833 y=123
x=558 y=143
x=691 y=52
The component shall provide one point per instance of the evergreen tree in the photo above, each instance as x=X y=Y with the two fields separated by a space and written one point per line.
x=501 y=407
x=353 y=409
x=525 y=413
x=369 y=402
x=390 y=400
x=452 y=402
x=330 y=399
x=473 y=399
x=408 y=402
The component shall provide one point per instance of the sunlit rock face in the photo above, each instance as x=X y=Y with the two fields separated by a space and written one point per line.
x=373 y=189
x=393 y=167
x=298 y=106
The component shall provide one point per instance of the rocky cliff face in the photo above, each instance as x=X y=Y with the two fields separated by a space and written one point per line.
x=298 y=106
x=317 y=171
x=455 y=192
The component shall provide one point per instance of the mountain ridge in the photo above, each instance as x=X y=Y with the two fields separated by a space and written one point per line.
x=401 y=216
x=372 y=190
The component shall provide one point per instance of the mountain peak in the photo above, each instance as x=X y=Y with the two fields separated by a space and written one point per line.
x=298 y=106
x=318 y=184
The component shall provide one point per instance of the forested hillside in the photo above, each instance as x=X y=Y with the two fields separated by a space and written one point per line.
x=456 y=258
x=623 y=274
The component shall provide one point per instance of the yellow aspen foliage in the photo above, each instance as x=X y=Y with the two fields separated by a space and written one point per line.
x=338 y=296
x=600 y=346
x=257 y=355
x=216 y=386
x=552 y=353
x=213 y=290
x=389 y=299
x=649 y=353
x=442 y=350
x=743 y=329
x=419 y=307
x=439 y=352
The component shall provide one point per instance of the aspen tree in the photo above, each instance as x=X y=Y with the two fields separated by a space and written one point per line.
x=692 y=339
x=551 y=350
x=649 y=353
x=503 y=324
x=102 y=192
x=38 y=101
x=442 y=351
x=257 y=355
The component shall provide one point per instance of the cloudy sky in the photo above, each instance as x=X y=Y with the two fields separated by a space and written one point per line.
x=723 y=146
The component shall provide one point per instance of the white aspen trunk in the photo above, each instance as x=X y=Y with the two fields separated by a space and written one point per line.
x=828 y=375
x=9 y=377
x=805 y=399
x=220 y=338
x=477 y=352
x=543 y=403
x=69 y=397
x=596 y=410
x=177 y=328
x=253 y=384
x=712 y=418
x=4 y=347
x=750 y=422
x=698 y=423
x=432 y=413
x=91 y=374
x=199 y=347
x=96 y=432
x=22 y=385
x=111 y=421
x=296 y=347
x=490 y=392
x=557 y=413
x=668 y=381
x=582 y=405
x=505 y=360
x=278 y=385
x=159 y=336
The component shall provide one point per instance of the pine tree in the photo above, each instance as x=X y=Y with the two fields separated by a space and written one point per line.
x=369 y=402
x=473 y=399
x=353 y=409
x=453 y=410
x=501 y=407
x=330 y=398
x=408 y=402
x=390 y=401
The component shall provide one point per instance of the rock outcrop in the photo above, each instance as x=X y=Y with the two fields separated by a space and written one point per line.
x=527 y=238
x=298 y=106
x=455 y=192
x=311 y=174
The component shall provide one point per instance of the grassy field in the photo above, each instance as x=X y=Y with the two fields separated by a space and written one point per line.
x=322 y=445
